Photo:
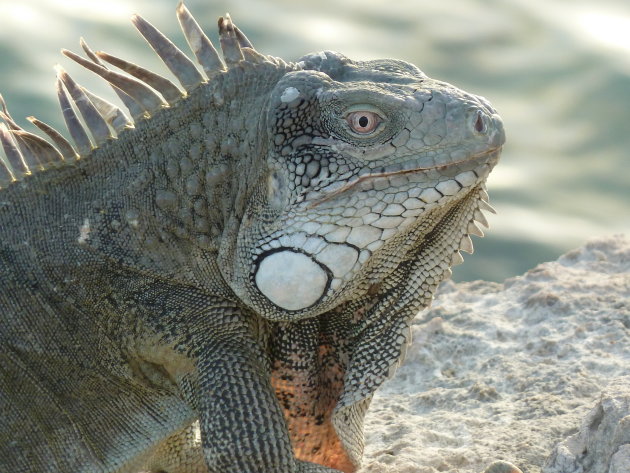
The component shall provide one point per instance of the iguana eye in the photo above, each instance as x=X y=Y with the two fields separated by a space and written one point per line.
x=363 y=122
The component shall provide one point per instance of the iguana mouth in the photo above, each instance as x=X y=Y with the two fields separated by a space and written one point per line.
x=476 y=160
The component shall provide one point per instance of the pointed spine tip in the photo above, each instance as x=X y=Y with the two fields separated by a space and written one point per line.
x=232 y=53
x=14 y=163
x=481 y=218
x=10 y=123
x=203 y=49
x=242 y=39
x=225 y=23
x=466 y=244
x=457 y=259
x=88 y=51
x=84 y=146
x=483 y=205
x=67 y=151
x=3 y=105
x=176 y=61
x=168 y=90
x=483 y=194
x=142 y=94
x=138 y=21
x=473 y=229
x=60 y=71
x=91 y=116
x=67 y=53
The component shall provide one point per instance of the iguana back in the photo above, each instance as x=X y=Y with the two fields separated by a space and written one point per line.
x=220 y=282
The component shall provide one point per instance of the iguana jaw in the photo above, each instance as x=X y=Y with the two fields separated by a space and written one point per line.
x=318 y=247
x=309 y=265
x=477 y=161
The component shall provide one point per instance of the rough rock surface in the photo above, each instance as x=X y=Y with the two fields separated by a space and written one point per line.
x=603 y=441
x=506 y=371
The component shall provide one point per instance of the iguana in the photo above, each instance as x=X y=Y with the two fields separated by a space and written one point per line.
x=220 y=282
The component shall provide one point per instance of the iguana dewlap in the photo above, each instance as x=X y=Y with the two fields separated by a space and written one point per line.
x=220 y=282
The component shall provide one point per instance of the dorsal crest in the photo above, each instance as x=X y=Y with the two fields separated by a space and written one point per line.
x=93 y=121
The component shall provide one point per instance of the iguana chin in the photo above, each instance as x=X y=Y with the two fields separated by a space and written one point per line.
x=221 y=283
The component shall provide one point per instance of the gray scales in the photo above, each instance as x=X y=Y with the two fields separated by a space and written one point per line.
x=220 y=282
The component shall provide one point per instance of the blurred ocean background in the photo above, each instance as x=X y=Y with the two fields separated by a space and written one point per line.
x=558 y=71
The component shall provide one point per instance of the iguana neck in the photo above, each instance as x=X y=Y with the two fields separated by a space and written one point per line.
x=161 y=196
x=205 y=164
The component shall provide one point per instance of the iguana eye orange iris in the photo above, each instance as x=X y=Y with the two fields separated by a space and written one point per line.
x=363 y=122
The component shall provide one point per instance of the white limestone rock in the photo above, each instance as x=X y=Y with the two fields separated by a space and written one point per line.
x=602 y=445
x=506 y=371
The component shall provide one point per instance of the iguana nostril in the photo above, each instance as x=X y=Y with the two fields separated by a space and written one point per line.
x=480 y=124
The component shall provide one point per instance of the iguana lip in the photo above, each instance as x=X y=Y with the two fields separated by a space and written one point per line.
x=494 y=152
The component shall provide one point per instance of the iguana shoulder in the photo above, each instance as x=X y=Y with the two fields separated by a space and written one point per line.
x=218 y=278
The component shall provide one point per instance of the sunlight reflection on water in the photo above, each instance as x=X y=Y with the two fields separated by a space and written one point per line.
x=609 y=29
x=21 y=14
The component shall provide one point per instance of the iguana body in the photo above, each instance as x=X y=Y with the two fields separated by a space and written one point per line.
x=223 y=286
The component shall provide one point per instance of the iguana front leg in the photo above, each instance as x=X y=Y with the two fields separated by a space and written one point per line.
x=242 y=426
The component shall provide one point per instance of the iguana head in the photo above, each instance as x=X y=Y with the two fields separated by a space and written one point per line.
x=359 y=153
x=353 y=163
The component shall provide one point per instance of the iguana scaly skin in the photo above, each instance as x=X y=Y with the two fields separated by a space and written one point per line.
x=222 y=284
